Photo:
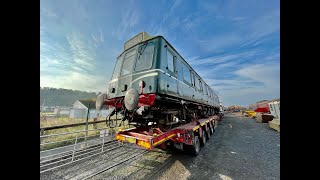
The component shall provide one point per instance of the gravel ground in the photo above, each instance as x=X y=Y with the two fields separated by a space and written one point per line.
x=239 y=149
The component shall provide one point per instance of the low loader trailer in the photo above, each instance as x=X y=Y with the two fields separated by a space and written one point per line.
x=187 y=137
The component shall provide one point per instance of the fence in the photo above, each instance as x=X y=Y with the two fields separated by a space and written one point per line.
x=83 y=147
x=61 y=149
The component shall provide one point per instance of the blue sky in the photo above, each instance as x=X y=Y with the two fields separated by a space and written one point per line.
x=233 y=45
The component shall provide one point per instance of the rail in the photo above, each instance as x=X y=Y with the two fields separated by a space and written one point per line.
x=91 y=146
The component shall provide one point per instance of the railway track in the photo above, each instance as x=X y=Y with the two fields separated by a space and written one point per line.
x=116 y=156
x=125 y=160
x=141 y=165
x=58 y=160
x=98 y=158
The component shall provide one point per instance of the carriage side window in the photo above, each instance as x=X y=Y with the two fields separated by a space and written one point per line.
x=170 y=60
x=197 y=83
x=191 y=77
x=200 y=85
x=128 y=62
x=186 y=73
x=205 y=88
x=178 y=68
x=145 y=57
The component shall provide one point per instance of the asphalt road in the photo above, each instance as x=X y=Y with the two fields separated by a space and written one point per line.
x=240 y=148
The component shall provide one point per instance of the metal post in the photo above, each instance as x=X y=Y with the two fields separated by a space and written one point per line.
x=85 y=138
x=74 y=148
x=111 y=132
x=41 y=134
x=104 y=134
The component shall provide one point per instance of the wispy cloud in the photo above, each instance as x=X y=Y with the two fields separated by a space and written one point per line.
x=75 y=80
x=168 y=22
x=82 y=54
x=268 y=74
x=219 y=42
x=98 y=38
x=250 y=84
x=265 y=25
x=129 y=18
x=168 y=14
x=218 y=59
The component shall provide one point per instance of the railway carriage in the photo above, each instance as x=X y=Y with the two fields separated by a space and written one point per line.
x=152 y=85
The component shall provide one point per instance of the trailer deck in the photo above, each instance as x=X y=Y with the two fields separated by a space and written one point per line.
x=150 y=138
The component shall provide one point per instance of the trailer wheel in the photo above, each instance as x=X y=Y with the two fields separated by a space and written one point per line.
x=204 y=138
x=195 y=148
x=211 y=129
x=208 y=134
x=214 y=126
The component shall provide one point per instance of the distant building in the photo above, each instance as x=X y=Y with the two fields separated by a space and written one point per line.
x=62 y=110
x=235 y=108
x=80 y=109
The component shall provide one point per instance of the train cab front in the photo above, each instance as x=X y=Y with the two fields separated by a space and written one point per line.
x=133 y=106
x=132 y=89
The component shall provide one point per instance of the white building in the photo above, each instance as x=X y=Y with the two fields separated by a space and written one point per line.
x=62 y=111
x=80 y=109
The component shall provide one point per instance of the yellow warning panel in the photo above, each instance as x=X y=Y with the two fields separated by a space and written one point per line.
x=120 y=138
x=131 y=140
x=143 y=144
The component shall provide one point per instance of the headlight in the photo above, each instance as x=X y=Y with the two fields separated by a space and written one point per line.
x=100 y=101
x=131 y=99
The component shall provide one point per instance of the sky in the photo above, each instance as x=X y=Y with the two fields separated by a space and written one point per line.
x=233 y=45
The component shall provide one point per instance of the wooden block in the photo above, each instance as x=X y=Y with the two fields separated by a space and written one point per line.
x=275 y=124
x=263 y=118
x=258 y=117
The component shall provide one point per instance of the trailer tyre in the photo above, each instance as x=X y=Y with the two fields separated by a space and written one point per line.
x=211 y=129
x=208 y=134
x=204 y=138
x=214 y=126
x=195 y=148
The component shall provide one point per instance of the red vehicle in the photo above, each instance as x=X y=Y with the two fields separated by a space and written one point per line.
x=261 y=106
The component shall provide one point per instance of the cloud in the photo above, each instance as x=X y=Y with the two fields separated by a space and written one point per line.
x=168 y=14
x=224 y=29
x=71 y=65
x=250 y=84
x=98 y=38
x=75 y=80
x=219 y=42
x=82 y=55
x=129 y=18
x=265 y=25
x=218 y=59
x=268 y=74
x=168 y=22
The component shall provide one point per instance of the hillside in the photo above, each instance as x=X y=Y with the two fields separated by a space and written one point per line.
x=62 y=97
